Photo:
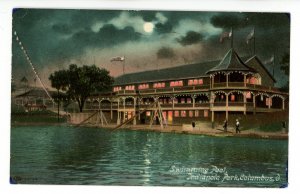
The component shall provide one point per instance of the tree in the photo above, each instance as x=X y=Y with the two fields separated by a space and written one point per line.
x=285 y=64
x=285 y=67
x=80 y=82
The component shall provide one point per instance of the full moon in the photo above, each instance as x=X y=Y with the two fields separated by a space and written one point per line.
x=148 y=27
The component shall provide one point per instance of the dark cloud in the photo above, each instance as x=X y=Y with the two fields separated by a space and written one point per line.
x=190 y=38
x=165 y=53
x=148 y=16
x=62 y=28
x=267 y=20
x=229 y=20
x=164 y=28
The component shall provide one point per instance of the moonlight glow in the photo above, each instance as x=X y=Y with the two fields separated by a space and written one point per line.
x=148 y=27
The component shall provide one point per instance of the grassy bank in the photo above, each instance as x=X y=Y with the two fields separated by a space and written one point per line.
x=44 y=116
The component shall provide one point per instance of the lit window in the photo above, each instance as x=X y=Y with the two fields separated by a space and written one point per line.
x=176 y=83
x=205 y=113
x=159 y=85
x=148 y=113
x=232 y=97
x=182 y=100
x=189 y=100
x=143 y=86
x=175 y=100
x=183 y=113
x=196 y=113
x=248 y=95
x=176 y=113
x=191 y=113
x=195 y=82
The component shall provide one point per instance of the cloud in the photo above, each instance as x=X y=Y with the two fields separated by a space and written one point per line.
x=165 y=53
x=164 y=28
x=229 y=20
x=61 y=28
x=190 y=38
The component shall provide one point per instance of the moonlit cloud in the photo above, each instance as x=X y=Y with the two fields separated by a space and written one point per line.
x=56 y=38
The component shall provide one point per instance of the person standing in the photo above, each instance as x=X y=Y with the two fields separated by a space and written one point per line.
x=237 y=126
x=225 y=125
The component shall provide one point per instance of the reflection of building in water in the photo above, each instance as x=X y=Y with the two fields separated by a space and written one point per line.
x=195 y=92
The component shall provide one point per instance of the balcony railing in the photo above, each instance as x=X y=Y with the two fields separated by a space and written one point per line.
x=199 y=87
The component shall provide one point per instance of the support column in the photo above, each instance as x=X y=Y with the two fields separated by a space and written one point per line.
x=283 y=104
x=193 y=98
x=212 y=81
x=118 y=111
x=134 y=104
x=245 y=103
x=124 y=100
x=245 y=80
x=227 y=75
x=269 y=103
x=212 y=119
x=173 y=102
x=254 y=104
x=226 y=106
x=111 y=111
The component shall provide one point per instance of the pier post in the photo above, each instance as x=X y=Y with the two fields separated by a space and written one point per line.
x=245 y=103
x=134 y=104
x=226 y=106
x=118 y=111
x=254 y=105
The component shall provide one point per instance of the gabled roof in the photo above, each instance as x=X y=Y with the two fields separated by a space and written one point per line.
x=231 y=62
x=36 y=92
x=172 y=73
x=255 y=58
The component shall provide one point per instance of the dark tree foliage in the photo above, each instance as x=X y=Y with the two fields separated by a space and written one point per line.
x=80 y=82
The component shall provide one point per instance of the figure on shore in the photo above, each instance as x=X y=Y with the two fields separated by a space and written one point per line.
x=237 y=127
x=225 y=125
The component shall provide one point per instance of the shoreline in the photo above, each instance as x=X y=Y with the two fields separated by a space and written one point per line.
x=251 y=133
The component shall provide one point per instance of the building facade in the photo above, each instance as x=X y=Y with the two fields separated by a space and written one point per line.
x=194 y=92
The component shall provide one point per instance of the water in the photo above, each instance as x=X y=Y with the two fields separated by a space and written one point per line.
x=66 y=155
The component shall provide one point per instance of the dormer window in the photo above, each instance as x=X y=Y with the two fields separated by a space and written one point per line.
x=118 y=88
x=159 y=85
x=131 y=87
x=193 y=82
x=176 y=83
x=143 y=86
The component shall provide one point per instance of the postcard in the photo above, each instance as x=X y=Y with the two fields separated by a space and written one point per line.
x=150 y=98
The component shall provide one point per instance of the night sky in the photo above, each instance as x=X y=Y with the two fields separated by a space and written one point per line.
x=149 y=40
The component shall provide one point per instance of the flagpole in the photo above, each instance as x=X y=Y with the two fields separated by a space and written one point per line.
x=254 y=40
x=124 y=66
x=231 y=38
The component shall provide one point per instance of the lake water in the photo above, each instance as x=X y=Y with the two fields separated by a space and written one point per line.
x=67 y=155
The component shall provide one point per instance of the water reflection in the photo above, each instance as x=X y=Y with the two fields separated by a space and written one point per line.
x=65 y=155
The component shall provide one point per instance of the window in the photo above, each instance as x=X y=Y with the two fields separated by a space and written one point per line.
x=196 y=113
x=182 y=100
x=205 y=113
x=248 y=95
x=159 y=85
x=176 y=113
x=191 y=113
x=118 y=88
x=175 y=100
x=232 y=97
x=183 y=113
x=131 y=87
x=176 y=83
x=189 y=100
x=143 y=86
x=148 y=113
x=268 y=101
x=192 y=82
